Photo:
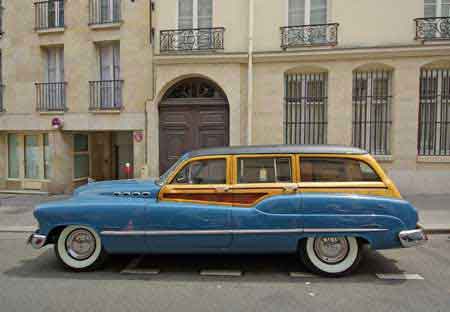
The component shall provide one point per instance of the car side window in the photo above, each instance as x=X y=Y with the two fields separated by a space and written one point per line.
x=336 y=170
x=207 y=171
x=264 y=170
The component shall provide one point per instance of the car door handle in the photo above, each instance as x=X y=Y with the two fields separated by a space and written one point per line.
x=222 y=189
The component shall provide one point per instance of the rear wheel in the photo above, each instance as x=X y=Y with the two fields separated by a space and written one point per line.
x=331 y=256
x=79 y=248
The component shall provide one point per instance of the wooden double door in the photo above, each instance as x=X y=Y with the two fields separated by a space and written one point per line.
x=189 y=124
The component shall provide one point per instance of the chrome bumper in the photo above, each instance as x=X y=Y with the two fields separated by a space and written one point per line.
x=37 y=241
x=413 y=238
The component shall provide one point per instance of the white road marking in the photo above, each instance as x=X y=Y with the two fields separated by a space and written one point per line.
x=220 y=273
x=301 y=274
x=402 y=276
x=131 y=268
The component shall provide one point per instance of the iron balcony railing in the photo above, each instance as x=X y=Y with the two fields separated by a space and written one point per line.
x=49 y=14
x=309 y=35
x=105 y=12
x=198 y=39
x=51 y=97
x=433 y=28
x=106 y=95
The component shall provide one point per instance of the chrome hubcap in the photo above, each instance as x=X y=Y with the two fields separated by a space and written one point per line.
x=80 y=244
x=331 y=250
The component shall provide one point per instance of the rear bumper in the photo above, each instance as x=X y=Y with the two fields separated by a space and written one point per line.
x=413 y=238
x=37 y=241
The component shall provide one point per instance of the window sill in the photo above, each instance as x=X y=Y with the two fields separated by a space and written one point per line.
x=433 y=159
x=106 y=111
x=61 y=112
x=383 y=158
x=113 y=25
x=55 y=30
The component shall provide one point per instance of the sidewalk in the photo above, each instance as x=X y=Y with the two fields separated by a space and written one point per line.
x=16 y=211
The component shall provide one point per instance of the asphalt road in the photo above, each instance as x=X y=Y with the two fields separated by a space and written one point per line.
x=33 y=281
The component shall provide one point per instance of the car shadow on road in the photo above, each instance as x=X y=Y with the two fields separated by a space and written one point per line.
x=179 y=268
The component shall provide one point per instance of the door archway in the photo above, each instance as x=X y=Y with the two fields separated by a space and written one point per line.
x=194 y=113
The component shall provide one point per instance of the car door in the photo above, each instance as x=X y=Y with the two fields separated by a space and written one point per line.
x=193 y=211
x=266 y=210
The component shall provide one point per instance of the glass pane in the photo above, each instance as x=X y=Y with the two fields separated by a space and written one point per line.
x=13 y=157
x=185 y=14
x=212 y=171
x=32 y=151
x=296 y=12
x=318 y=12
x=81 y=169
x=264 y=170
x=47 y=158
x=81 y=143
x=430 y=8
x=205 y=13
x=335 y=170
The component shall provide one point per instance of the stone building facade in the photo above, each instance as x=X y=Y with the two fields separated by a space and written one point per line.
x=183 y=74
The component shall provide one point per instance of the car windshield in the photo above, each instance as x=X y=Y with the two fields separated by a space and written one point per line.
x=163 y=179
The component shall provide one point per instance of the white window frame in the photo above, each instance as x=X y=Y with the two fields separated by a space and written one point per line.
x=307 y=12
x=194 y=14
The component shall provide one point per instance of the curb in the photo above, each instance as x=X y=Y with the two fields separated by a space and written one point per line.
x=437 y=231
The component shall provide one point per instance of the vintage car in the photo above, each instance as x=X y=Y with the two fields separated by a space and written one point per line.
x=322 y=202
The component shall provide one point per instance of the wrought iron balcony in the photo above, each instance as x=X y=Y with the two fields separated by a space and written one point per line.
x=433 y=28
x=105 y=95
x=49 y=14
x=309 y=35
x=105 y=12
x=51 y=97
x=199 y=39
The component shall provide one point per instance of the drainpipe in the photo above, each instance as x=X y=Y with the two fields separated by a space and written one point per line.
x=250 y=73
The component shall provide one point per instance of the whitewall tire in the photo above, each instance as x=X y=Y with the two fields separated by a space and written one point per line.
x=79 y=248
x=331 y=256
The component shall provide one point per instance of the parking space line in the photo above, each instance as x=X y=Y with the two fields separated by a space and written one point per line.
x=234 y=273
x=301 y=275
x=401 y=276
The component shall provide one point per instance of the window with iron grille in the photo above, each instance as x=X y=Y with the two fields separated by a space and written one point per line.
x=372 y=101
x=305 y=112
x=434 y=113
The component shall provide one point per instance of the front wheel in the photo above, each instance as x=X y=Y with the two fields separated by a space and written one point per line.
x=331 y=256
x=79 y=248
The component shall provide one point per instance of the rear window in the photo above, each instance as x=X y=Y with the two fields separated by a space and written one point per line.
x=336 y=170
x=264 y=170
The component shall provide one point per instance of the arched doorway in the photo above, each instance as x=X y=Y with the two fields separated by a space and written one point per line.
x=193 y=114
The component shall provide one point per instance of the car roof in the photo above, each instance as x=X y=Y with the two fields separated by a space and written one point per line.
x=278 y=149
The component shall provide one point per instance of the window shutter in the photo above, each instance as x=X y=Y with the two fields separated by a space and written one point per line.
x=318 y=12
x=185 y=14
x=430 y=8
x=205 y=13
x=296 y=12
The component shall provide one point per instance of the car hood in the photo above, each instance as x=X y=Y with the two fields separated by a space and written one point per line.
x=133 y=188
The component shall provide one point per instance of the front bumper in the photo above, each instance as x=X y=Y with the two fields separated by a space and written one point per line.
x=413 y=238
x=37 y=241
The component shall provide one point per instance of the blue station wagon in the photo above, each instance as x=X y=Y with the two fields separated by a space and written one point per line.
x=321 y=202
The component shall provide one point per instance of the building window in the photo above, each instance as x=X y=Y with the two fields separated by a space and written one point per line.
x=434 y=113
x=437 y=8
x=105 y=11
x=305 y=112
x=307 y=12
x=372 y=100
x=81 y=156
x=55 y=65
x=32 y=153
x=13 y=156
x=195 y=14
x=47 y=157
x=49 y=14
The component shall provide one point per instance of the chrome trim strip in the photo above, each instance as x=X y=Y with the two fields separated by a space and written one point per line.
x=223 y=232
